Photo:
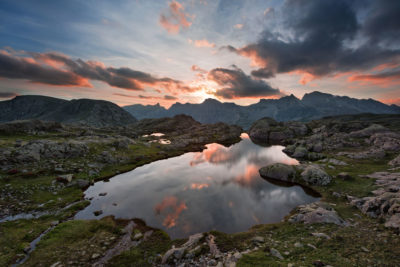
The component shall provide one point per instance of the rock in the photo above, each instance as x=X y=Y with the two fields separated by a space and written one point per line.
x=314 y=175
x=364 y=249
x=344 y=176
x=300 y=152
x=317 y=147
x=258 y=239
x=259 y=131
x=103 y=194
x=318 y=263
x=95 y=255
x=66 y=178
x=317 y=212
x=276 y=253
x=54 y=223
x=237 y=255
x=311 y=246
x=137 y=236
x=97 y=212
x=321 y=235
x=27 y=249
x=178 y=253
x=82 y=183
x=395 y=161
x=366 y=132
x=278 y=171
x=298 y=245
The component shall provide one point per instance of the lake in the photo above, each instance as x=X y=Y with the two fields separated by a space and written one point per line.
x=216 y=189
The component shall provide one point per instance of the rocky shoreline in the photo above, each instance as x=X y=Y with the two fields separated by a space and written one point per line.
x=351 y=161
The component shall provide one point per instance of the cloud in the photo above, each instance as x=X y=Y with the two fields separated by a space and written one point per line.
x=238 y=26
x=322 y=38
x=8 y=94
x=14 y=67
x=383 y=79
x=235 y=83
x=170 y=97
x=61 y=70
x=203 y=43
x=175 y=18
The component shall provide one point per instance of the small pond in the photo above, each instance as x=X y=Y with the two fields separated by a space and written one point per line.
x=216 y=189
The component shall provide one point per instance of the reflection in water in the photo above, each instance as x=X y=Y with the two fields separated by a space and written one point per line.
x=217 y=189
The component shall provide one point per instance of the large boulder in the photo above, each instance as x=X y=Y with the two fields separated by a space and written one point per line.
x=279 y=171
x=314 y=175
x=370 y=130
x=260 y=130
x=318 y=212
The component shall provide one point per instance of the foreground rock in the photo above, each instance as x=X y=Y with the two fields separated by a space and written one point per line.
x=279 y=171
x=317 y=212
x=386 y=200
x=315 y=175
x=310 y=174
x=269 y=131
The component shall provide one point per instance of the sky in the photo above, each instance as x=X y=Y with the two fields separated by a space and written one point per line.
x=148 y=52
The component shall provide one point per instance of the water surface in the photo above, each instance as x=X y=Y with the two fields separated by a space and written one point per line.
x=217 y=189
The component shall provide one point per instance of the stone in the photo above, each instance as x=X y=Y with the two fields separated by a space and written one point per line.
x=276 y=253
x=82 y=183
x=317 y=212
x=395 y=161
x=298 y=245
x=258 y=239
x=321 y=235
x=300 y=152
x=278 y=171
x=103 y=194
x=314 y=175
x=66 y=178
x=344 y=176
x=97 y=212
x=95 y=255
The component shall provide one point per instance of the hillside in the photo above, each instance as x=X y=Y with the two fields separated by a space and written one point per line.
x=96 y=113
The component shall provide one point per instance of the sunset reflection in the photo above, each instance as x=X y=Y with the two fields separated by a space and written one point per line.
x=172 y=207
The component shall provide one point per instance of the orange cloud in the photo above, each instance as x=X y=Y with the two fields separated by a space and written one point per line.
x=391 y=101
x=175 y=19
x=198 y=186
x=174 y=207
x=384 y=79
x=238 y=26
x=203 y=43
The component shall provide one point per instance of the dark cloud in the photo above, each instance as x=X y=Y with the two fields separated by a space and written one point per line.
x=21 y=68
x=325 y=37
x=170 y=97
x=8 y=94
x=236 y=84
x=58 y=69
x=382 y=22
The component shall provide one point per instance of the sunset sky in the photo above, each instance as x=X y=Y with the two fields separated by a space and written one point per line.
x=164 y=52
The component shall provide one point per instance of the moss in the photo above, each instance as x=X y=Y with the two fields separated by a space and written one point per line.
x=146 y=253
x=75 y=242
x=17 y=235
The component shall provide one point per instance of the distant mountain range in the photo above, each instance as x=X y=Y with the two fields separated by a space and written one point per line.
x=312 y=106
x=96 y=113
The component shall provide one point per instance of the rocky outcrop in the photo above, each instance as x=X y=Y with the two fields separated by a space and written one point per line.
x=315 y=175
x=385 y=202
x=279 y=171
x=318 y=212
x=269 y=131
x=310 y=174
x=395 y=161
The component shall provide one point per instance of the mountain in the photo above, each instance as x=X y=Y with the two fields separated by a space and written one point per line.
x=312 y=106
x=96 y=113
x=145 y=111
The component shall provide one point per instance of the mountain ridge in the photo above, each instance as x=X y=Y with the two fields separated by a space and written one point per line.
x=96 y=113
x=311 y=106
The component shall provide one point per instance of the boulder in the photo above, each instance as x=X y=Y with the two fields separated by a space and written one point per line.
x=314 y=175
x=66 y=178
x=395 y=161
x=300 y=152
x=279 y=171
x=370 y=130
x=317 y=212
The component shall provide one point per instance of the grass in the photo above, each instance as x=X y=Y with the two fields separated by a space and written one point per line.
x=75 y=242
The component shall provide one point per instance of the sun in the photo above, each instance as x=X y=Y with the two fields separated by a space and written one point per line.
x=206 y=89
